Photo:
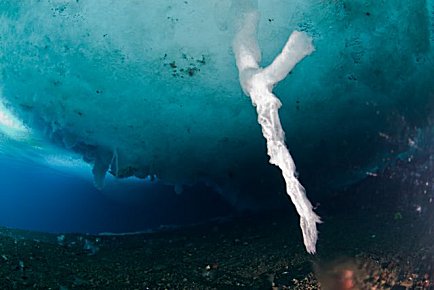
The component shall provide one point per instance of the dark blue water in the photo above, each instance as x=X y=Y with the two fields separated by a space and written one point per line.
x=40 y=198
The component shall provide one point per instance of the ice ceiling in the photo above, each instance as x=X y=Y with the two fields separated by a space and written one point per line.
x=151 y=88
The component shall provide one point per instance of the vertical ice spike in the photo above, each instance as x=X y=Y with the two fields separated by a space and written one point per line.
x=258 y=84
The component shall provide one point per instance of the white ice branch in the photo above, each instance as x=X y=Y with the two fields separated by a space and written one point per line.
x=258 y=84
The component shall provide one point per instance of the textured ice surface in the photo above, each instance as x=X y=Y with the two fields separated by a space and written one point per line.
x=147 y=87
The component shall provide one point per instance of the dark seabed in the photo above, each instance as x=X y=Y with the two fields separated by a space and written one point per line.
x=380 y=251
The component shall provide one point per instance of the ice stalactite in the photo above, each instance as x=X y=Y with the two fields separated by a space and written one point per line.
x=258 y=84
x=102 y=160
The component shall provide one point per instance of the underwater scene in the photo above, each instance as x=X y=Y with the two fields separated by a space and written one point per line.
x=217 y=144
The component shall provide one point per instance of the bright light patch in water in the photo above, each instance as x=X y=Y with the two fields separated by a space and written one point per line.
x=10 y=125
x=66 y=161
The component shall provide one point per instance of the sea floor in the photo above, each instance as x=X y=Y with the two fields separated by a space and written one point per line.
x=359 y=248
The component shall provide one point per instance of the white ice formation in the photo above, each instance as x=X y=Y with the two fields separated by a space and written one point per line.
x=258 y=84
